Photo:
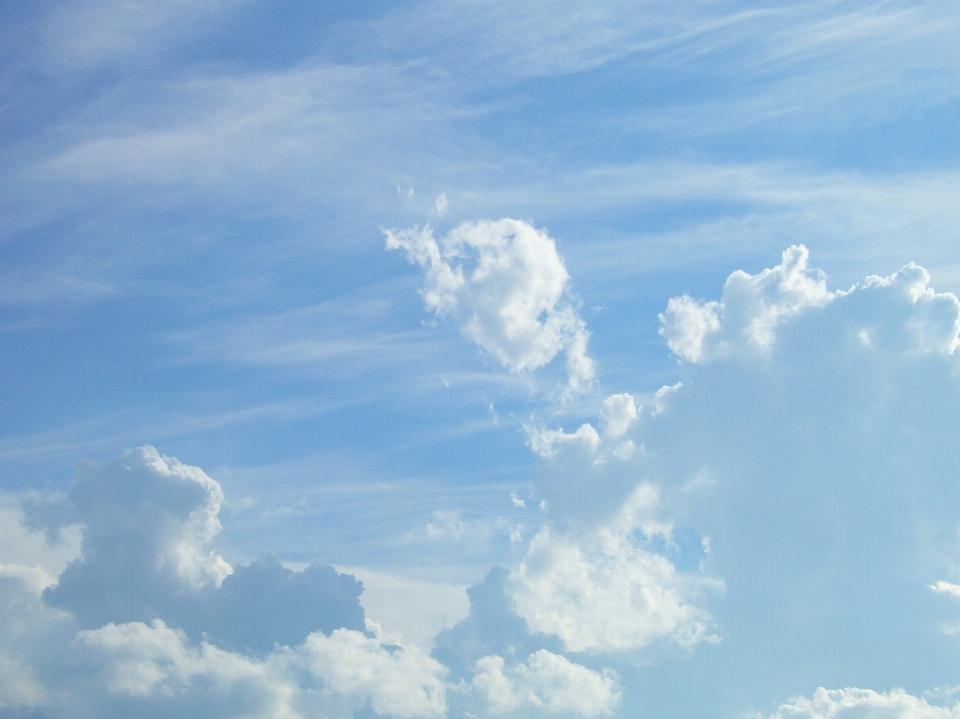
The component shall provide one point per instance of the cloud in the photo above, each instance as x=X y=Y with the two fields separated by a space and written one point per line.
x=508 y=286
x=812 y=442
x=865 y=703
x=746 y=317
x=148 y=523
x=606 y=591
x=147 y=526
x=617 y=414
x=398 y=681
x=344 y=670
x=149 y=620
x=547 y=681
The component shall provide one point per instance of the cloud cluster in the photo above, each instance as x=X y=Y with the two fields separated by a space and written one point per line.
x=746 y=317
x=149 y=620
x=326 y=674
x=508 y=286
x=805 y=460
x=751 y=308
x=548 y=681
x=603 y=592
x=844 y=703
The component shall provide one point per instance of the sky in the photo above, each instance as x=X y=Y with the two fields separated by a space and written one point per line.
x=479 y=359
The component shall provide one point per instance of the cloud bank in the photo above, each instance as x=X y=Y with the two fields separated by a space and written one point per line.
x=149 y=620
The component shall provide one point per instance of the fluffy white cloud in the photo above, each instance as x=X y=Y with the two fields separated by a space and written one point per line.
x=154 y=660
x=605 y=591
x=863 y=704
x=168 y=629
x=508 y=285
x=617 y=414
x=947 y=588
x=814 y=442
x=549 y=442
x=747 y=315
x=326 y=674
x=398 y=681
x=547 y=681
x=751 y=308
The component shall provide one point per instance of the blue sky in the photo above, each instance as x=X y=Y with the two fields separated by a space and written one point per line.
x=611 y=347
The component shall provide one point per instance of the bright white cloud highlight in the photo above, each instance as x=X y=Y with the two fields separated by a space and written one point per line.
x=507 y=284
x=548 y=442
x=605 y=592
x=752 y=307
x=747 y=315
x=403 y=682
x=325 y=674
x=948 y=588
x=617 y=415
x=549 y=682
x=863 y=704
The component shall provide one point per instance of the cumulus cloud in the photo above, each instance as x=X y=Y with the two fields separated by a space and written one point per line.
x=149 y=620
x=587 y=475
x=607 y=590
x=808 y=453
x=549 y=682
x=813 y=442
x=746 y=317
x=863 y=704
x=617 y=414
x=326 y=675
x=148 y=524
x=398 y=681
x=751 y=308
x=507 y=284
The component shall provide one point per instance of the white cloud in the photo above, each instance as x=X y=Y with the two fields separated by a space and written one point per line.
x=548 y=442
x=549 y=682
x=402 y=682
x=604 y=591
x=617 y=414
x=948 y=588
x=148 y=526
x=746 y=317
x=267 y=641
x=156 y=663
x=145 y=660
x=863 y=704
x=508 y=286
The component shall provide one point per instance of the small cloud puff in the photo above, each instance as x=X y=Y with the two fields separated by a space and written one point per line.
x=852 y=702
x=549 y=682
x=507 y=284
x=617 y=414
